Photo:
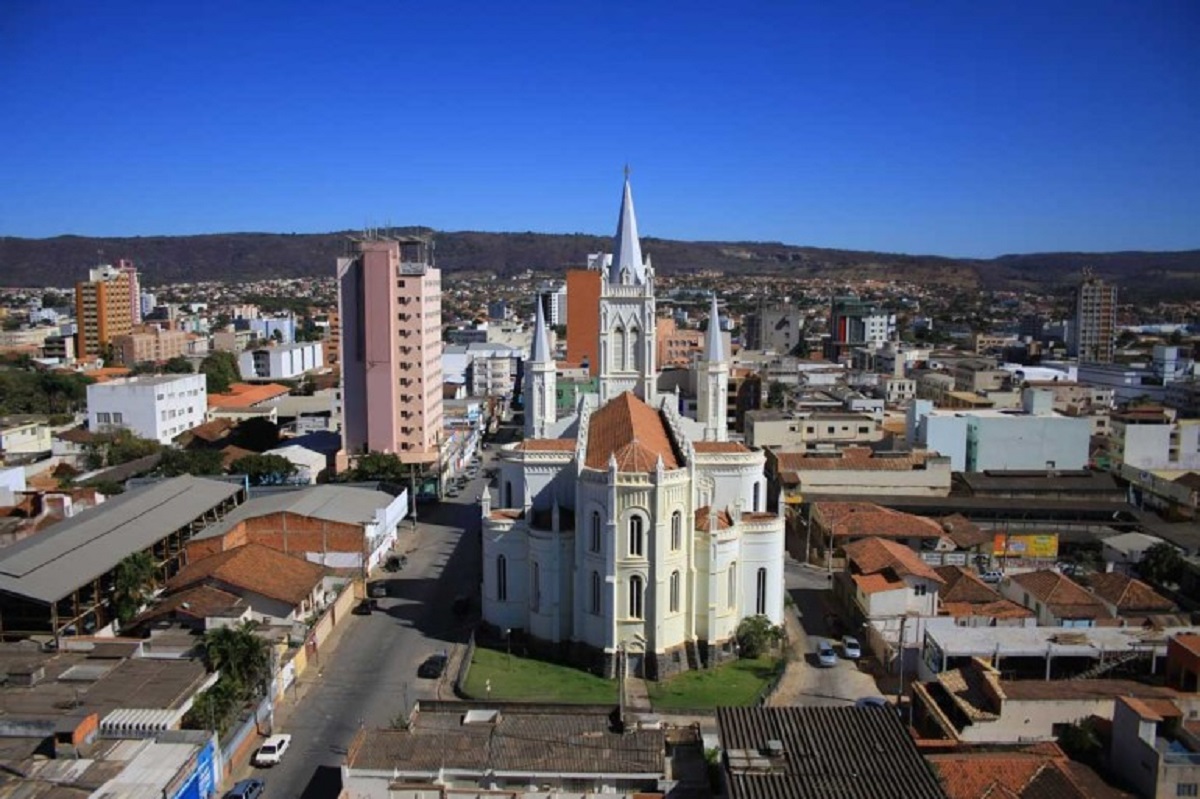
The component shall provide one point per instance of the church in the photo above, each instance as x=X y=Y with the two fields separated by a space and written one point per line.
x=626 y=527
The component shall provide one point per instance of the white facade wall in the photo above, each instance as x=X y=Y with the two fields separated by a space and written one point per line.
x=1027 y=442
x=281 y=363
x=28 y=438
x=156 y=407
x=308 y=464
x=947 y=436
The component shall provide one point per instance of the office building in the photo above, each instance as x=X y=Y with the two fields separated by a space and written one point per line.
x=1093 y=336
x=104 y=307
x=854 y=322
x=390 y=307
x=159 y=407
x=583 y=314
x=553 y=297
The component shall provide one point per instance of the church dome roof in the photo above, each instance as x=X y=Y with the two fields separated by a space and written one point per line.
x=633 y=433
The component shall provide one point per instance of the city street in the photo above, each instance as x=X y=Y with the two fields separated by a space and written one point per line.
x=806 y=683
x=373 y=670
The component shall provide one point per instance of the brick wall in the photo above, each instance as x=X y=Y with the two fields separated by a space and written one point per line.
x=284 y=532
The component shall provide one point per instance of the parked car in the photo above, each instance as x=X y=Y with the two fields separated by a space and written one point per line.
x=872 y=701
x=246 y=789
x=826 y=657
x=433 y=666
x=365 y=606
x=271 y=752
x=991 y=576
x=377 y=589
x=850 y=648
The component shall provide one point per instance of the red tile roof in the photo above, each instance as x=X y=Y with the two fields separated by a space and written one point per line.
x=724 y=520
x=999 y=609
x=547 y=445
x=719 y=446
x=246 y=395
x=198 y=602
x=874 y=555
x=1189 y=641
x=963 y=532
x=633 y=433
x=861 y=519
x=256 y=568
x=1064 y=597
x=852 y=458
x=963 y=585
x=874 y=583
x=1129 y=595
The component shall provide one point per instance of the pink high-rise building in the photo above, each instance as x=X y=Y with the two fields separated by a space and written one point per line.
x=390 y=308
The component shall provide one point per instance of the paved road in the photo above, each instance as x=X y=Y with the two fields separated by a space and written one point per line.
x=805 y=683
x=373 y=669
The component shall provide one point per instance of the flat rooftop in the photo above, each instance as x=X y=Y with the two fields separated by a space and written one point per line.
x=958 y=641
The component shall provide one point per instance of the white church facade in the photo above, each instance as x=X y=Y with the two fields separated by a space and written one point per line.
x=625 y=526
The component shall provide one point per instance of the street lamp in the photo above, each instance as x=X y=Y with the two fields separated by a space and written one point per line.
x=508 y=643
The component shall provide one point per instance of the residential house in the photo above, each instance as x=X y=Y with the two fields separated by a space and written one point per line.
x=1125 y=551
x=1129 y=599
x=309 y=465
x=1156 y=747
x=246 y=401
x=1183 y=662
x=1028 y=772
x=1057 y=600
x=22 y=437
x=278 y=587
x=973 y=603
x=833 y=525
x=885 y=586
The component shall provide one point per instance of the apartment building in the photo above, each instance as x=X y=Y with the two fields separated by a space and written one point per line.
x=103 y=309
x=151 y=406
x=1093 y=336
x=390 y=306
x=153 y=345
x=286 y=362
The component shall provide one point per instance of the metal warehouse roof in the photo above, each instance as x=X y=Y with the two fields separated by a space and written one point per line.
x=331 y=503
x=798 y=752
x=50 y=565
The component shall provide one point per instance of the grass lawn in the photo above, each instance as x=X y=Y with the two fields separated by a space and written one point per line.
x=732 y=684
x=528 y=680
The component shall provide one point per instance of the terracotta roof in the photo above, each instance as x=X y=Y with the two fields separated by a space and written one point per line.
x=232 y=453
x=1018 y=774
x=256 y=568
x=211 y=431
x=963 y=532
x=1059 y=690
x=1129 y=595
x=1065 y=598
x=633 y=433
x=875 y=583
x=1189 y=641
x=547 y=445
x=999 y=609
x=77 y=435
x=246 y=395
x=198 y=602
x=1189 y=480
x=873 y=555
x=724 y=520
x=107 y=373
x=851 y=458
x=1152 y=709
x=719 y=446
x=513 y=514
x=963 y=585
x=860 y=519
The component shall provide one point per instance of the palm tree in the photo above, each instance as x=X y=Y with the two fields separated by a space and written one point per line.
x=132 y=585
x=241 y=656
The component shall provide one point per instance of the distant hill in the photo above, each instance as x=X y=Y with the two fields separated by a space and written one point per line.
x=63 y=260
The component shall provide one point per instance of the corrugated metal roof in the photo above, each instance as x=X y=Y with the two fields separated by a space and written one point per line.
x=49 y=566
x=851 y=752
x=332 y=503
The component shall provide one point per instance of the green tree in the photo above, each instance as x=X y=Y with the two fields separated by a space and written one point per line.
x=124 y=446
x=240 y=655
x=776 y=393
x=264 y=470
x=379 y=466
x=756 y=636
x=132 y=584
x=256 y=434
x=199 y=462
x=1081 y=742
x=221 y=370
x=1161 y=564
x=178 y=366
x=144 y=368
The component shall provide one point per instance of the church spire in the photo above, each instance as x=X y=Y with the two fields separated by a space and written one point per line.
x=714 y=350
x=541 y=342
x=627 y=248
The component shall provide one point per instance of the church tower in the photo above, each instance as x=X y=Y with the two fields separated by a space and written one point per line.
x=712 y=381
x=541 y=381
x=627 y=322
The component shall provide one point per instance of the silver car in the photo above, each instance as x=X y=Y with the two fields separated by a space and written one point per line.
x=826 y=657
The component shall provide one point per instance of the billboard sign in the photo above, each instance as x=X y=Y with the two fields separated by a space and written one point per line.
x=1041 y=545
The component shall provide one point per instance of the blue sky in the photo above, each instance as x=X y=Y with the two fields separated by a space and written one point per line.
x=957 y=128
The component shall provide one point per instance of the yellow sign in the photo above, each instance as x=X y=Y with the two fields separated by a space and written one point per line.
x=1043 y=545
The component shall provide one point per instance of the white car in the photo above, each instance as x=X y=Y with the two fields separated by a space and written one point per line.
x=850 y=648
x=271 y=752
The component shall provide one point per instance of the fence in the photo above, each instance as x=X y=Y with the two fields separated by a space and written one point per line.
x=464 y=670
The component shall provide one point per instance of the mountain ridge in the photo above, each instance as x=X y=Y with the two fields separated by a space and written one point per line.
x=231 y=257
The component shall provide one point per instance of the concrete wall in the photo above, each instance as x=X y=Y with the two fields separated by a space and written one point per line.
x=152 y=408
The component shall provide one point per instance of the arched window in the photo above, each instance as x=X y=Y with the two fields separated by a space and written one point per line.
x=635 y=597
x=732 y=589
x=635 y=348
x=595 y=541
x=676 y=531
x=757 y=491
x=618 y=349
x=536 y=593
x=635 y=536
x=508 y=502
x=596 y=593
x=760 y=593
x=674 y=592
x=502 y=578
